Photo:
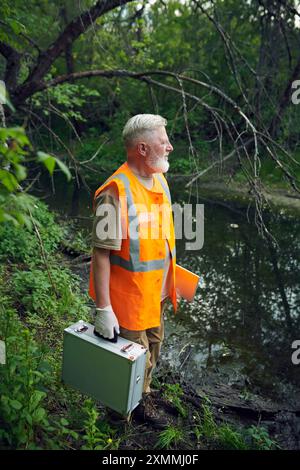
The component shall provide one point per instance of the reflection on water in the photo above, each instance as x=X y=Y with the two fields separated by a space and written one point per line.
x=246 y=313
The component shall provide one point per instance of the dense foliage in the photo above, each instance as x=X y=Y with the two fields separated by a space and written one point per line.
x=247 y=52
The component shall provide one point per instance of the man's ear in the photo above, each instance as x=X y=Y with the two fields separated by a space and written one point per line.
x=142 y=148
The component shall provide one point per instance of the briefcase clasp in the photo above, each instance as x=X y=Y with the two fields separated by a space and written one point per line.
x=81 y=328
x=127 y=348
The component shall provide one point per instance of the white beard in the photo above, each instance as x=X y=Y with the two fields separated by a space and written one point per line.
x=158 y=164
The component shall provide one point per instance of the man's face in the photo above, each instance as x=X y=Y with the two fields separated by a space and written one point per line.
x=158 y=149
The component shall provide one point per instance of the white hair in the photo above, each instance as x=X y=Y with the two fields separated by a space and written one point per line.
x=139 y=125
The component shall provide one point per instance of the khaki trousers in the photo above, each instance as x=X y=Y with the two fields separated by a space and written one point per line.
x=150 y=339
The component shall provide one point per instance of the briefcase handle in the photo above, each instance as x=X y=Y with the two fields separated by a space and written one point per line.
x=112 y=340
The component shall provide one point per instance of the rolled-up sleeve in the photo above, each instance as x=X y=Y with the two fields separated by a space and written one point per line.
x=106 y=232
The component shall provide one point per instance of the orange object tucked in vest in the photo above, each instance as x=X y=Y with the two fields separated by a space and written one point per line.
x=137 y=269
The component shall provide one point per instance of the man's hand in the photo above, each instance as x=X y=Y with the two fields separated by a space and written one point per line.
x=106 y=322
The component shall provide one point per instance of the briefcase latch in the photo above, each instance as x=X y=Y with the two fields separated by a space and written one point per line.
x=81 y=328
x=126 y=348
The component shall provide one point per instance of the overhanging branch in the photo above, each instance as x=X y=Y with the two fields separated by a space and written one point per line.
x=72 y=31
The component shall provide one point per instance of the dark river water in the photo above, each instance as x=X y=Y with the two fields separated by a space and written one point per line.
x=246 y=313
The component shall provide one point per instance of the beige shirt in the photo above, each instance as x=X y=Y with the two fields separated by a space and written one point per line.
x=112 y=238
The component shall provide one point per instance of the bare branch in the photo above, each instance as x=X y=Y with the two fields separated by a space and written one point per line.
x=229 y=155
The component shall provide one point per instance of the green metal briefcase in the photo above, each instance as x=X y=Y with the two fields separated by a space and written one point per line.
x=112 y=373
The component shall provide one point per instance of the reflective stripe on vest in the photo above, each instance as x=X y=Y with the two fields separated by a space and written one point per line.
x=134 y=264
x=165 y=187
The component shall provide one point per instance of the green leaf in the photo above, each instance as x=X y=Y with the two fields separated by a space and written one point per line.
x=64 y=169
x=64 y=422
x=17 y=133
x=5 y=216
x=20 y=218
x=15 y=404
x=16 y=26
x=22 y=436
x=21 y=171
x=38 y=415
x=74 y=434
x=27 y=222
x=8 y=180
x=29 y=419
x=50 y=428
x=35 y=398
x=47 y=160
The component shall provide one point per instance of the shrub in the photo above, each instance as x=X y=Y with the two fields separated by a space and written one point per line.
x=23 y=385
x=20 y=243
x=52 y=293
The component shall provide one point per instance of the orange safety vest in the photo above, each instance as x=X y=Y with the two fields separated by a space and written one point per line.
x=137 y=269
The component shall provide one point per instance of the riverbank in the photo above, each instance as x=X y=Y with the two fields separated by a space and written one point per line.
x=278 y=199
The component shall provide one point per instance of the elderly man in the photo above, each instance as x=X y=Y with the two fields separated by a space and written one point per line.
x=133 y=268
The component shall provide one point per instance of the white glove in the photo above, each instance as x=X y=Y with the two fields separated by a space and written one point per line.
x=106 y=322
